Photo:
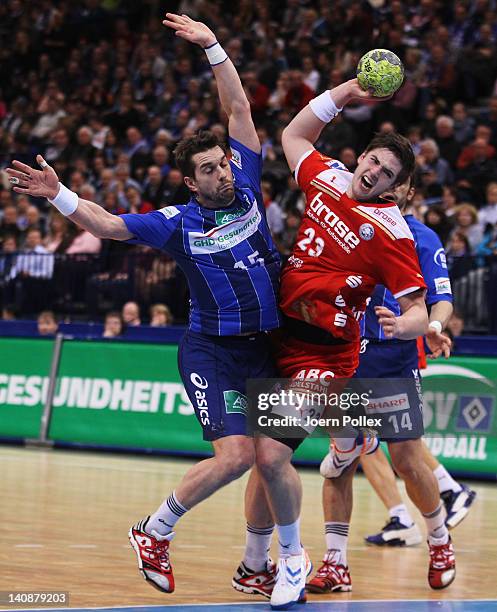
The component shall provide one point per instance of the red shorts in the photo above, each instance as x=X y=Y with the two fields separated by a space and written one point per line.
x=295 y=358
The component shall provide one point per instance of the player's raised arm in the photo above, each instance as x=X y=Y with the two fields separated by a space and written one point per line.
x=230 y=89
x=88 y=215
x=302 y=132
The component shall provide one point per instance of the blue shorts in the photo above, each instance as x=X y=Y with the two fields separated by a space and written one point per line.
x=214 y=370
x=396 y=396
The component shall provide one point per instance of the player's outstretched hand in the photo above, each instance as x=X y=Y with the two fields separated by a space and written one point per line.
x=192 y=31
x=356 y=93
x=438 y=343
x=42 y=183
x=388 y=321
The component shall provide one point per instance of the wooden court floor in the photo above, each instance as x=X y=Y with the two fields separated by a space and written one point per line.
x=64 y=518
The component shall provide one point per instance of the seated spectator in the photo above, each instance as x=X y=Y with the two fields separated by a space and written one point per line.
x=274 y=214
x=155 y=184
x=480 y=148
x=481 y=170
x=113 y=325
x=176 y=192
x=429 y=159
x=466 y=222
x=9 y=312
x=436 y=219
x=488 y=245
x=464 y=125
x=459 y=259
x=60 y=233
x=47 y=323
x=135 y=202
x=35 y=261
x=444 y=137
x=449 y=200
x=8 y=222
x=160 y=315
x=488 y=214
x=84 y=242
x=130 y=314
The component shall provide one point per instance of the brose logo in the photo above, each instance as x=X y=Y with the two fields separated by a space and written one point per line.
x=200 y=396
x=335 y=225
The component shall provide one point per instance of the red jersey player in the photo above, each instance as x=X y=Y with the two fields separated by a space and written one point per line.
x=346 y=245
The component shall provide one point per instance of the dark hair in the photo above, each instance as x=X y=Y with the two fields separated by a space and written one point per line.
x=188 y=147
x=402 y=150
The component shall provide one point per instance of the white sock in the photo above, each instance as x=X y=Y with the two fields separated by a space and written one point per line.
x=289 y=539
x=258 y=543
x=166 y=516
x=445 y=481
x=402 y=513
x=336 y=536
x=435 y=523
x=345 y=445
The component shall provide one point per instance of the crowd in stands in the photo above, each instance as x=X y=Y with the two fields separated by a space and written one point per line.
x=104 y=92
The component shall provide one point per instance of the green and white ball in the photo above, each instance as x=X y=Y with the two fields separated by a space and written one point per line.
x=381 y=71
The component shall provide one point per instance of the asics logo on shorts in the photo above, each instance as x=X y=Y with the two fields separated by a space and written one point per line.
x=201 y=397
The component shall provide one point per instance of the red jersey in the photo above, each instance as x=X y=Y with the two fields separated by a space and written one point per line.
x=343 y=249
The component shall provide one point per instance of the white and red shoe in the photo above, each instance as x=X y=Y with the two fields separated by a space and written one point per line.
x=152 y=551
x=442 y=570
x=331 y=577
x=336 y=462
x=247 y=581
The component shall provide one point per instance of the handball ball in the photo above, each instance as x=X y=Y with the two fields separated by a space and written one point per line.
x=381 y=71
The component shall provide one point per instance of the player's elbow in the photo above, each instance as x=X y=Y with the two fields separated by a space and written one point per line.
x=240 y=108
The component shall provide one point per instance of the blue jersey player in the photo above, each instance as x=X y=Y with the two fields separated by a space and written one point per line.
x=222 y=242
x=381 y=358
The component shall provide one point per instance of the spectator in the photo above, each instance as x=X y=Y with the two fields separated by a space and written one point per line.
x=113 y=325
x=274 y=214
x=60 y=233
x=466 y=222
x=83 y=242
x=155 y=185
x=47 y=323
x=160 y=316
x=176 y=192
x=131 y=314
x=34 y=261
x=436 y=219
x=444 y=136
x=459 y=259
x=488 y=214
x=134 y=201
x=429 y=159
x=464 y=125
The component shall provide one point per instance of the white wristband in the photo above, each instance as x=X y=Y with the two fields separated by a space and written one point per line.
x=436 y=325
x=215 y=54
x=66 y=201
x=323 y=107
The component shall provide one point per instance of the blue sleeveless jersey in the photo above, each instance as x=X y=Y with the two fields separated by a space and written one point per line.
x=226 y=254
x=433 y=265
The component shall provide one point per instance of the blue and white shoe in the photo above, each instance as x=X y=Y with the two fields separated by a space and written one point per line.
x=289 y=588
x=457 y=505
x=396 y=534
x=334 y=464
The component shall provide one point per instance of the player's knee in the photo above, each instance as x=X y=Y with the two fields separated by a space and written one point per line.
x=271 y=461
x=406 y=467
x=237 y=461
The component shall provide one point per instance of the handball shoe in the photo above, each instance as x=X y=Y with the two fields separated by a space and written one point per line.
x=152 y=551
x=334 y=464
x=289 y=586
x=396 y=533
x=442 y=570
x=332 y=576
x=457 y=505
x=255 y=583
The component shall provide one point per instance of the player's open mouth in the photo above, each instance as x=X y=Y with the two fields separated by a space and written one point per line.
x=366 y=182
